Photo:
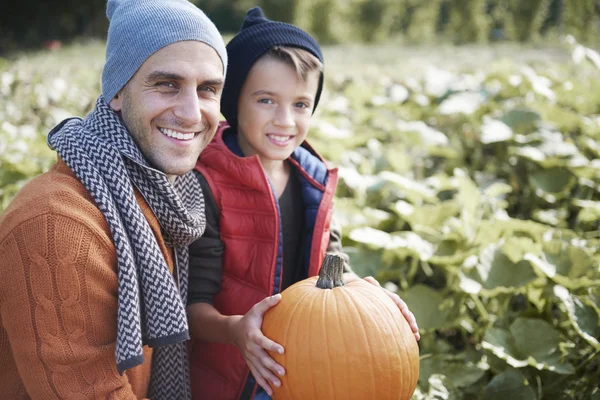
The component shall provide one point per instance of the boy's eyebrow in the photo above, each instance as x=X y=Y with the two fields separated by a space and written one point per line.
x=269 y=93
x=262 y=91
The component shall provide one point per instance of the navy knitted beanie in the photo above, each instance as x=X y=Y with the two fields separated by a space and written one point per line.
x=257 y=36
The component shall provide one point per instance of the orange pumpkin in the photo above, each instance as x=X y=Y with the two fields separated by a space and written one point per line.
x=342 y=340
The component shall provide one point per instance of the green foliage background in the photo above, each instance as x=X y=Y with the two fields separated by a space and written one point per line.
x=469 y=185
x=31 y=22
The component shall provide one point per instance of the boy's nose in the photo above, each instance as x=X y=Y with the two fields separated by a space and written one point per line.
x=284 y=118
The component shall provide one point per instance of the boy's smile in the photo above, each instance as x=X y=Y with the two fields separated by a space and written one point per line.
x=280 y=140
x=275 y=107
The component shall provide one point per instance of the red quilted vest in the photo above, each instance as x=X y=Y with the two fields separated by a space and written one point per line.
x=249 y=227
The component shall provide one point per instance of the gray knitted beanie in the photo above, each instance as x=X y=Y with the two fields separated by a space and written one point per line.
x=139 y=28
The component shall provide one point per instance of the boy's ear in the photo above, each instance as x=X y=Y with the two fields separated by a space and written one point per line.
x=117 y=102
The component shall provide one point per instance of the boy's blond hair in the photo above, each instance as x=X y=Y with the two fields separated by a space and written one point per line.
x=302 y=61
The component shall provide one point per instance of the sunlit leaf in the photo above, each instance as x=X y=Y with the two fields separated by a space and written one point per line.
x=585 y=319
x=458 y=371
x=494 y=131
x=530 y=342
x=461 y=103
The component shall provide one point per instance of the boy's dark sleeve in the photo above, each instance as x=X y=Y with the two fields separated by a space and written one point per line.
x=206 y=253
x=335 y=243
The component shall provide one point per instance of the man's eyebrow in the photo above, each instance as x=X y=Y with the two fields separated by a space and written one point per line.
x=163 y=76
x=213 y=82
x=171 y=76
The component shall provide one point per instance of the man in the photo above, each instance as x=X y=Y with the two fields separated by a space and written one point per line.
x=93 y=253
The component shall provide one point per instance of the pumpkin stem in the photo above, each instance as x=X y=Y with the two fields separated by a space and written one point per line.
x=332 y=272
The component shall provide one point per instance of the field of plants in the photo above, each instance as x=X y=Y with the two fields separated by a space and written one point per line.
x=470 y=184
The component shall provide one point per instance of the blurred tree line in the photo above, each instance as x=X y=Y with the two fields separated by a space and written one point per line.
x=31 y=23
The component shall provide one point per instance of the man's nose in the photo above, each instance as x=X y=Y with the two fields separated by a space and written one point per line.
x=188 y=108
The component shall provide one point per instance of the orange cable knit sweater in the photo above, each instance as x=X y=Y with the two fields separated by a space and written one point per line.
x=58 y=295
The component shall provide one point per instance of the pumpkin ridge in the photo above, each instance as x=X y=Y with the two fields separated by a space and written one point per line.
x=342 y=338
x=324 y=327
x=367 y=338
x=314 y=298
x=398 y=338
x=285 y=335
x=381 y=308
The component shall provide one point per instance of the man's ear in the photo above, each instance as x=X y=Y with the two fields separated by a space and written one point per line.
x=117 y=102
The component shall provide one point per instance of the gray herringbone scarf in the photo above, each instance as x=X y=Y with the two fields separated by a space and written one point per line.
x=151 y=307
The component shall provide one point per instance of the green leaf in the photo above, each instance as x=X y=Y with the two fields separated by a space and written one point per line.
x=552 y=180
x=428 y=307
x=515 y=248
x=534 y=337
x=494 y=131
x=470 y=199
x=495 y=270
x=502 y=344
x=498 y=189
x=570 y=261
x=456 y=369
x=530 y=341
x=583 y=317
x=510 y=384
x=364 y=262
x=521 y=120
x=415 y=191
x=427 y=217
x=373 y=238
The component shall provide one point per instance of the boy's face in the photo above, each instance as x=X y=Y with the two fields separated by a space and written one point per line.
x=171 y=105
x=274 y=109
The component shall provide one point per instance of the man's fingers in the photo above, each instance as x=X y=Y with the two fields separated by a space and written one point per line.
x=408 y=315
x=402 y=306
x=263 y=306
x=372 y=281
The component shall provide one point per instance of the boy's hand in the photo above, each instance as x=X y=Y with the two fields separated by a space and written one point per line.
x=410 y=318
x=248 y=337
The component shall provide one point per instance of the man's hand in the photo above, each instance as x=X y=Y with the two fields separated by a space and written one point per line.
x=410 y=318
x=248 y=337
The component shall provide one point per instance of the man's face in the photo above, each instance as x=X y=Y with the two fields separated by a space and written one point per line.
x=171 y=105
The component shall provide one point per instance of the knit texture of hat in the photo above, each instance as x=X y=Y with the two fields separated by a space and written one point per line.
x=139 y=28
x=257 y=36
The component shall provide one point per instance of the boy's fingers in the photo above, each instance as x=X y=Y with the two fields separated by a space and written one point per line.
x=260 y=380
x=272 y=365
x=270 y=345
x=263 y=306
x=265 y=372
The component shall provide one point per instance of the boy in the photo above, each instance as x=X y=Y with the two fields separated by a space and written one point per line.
x=269 y=202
